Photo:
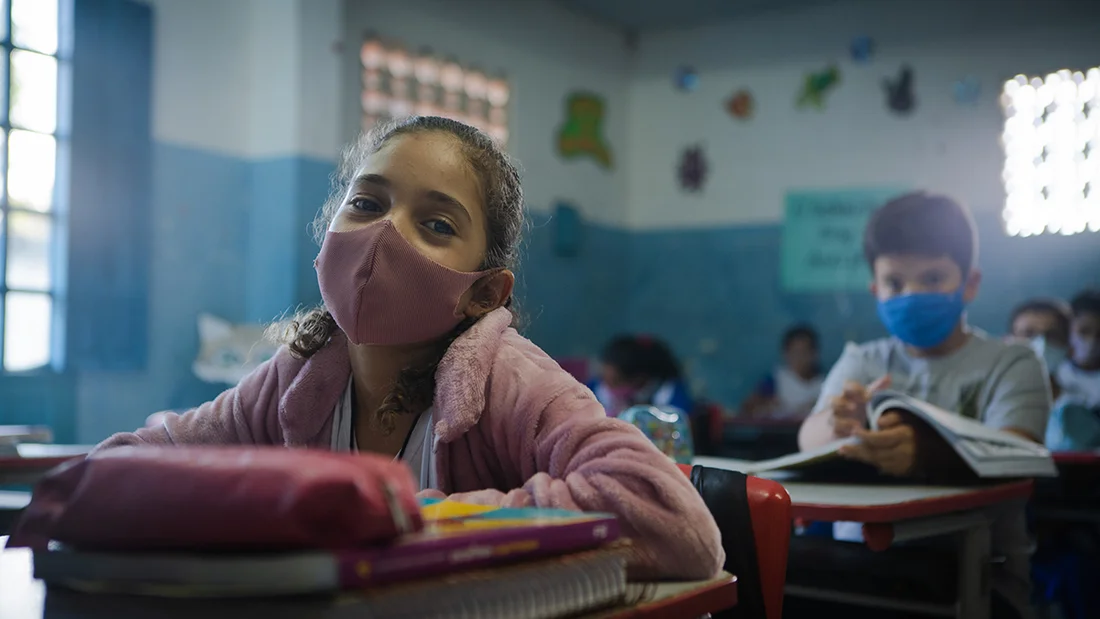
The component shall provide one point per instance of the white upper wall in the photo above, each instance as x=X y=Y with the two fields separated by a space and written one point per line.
x=547 y=53
x=856 y=141
x=250 y=78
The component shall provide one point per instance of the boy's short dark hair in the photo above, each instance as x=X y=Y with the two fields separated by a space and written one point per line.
x=1086 y=302
x=1056 y=307
x=922 y=224
x=800 y=331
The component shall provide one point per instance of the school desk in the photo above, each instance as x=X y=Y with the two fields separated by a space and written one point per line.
x=23 y=597
x=892 y=514
x=34 y=460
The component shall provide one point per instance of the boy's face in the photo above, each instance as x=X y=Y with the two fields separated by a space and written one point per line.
x=1085 y=338
x=801 y=355
x=897 y=275
x=1039 y=323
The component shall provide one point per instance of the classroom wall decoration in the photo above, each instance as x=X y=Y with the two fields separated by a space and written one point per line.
x=822 y=246
x=899 y=92
x=567 y=230
x=686 y=79
x=581 y=135
x=862 y=49
x=967 y=91
x=816 y=85
x=741 y=105
x=692 y=170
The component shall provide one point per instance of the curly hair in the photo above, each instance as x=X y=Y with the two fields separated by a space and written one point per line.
x=502 y=194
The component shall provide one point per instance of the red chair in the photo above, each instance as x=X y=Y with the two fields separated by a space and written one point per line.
x=754 y=517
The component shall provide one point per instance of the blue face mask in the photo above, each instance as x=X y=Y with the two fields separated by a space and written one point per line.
x=922 y=320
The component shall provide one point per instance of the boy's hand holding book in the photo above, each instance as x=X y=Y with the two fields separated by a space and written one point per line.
x=892 y=448
x=850 y=407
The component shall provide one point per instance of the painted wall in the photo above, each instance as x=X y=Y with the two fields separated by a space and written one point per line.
x=245 y=96
x=705 y=267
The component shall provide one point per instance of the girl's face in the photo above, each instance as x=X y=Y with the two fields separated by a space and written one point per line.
x=423 y=184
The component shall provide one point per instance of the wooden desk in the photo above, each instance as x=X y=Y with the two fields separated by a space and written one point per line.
x=34 y=460
x=898 y=513
x=23 y=597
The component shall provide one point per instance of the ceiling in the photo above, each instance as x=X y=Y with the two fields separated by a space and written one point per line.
x=649 y=15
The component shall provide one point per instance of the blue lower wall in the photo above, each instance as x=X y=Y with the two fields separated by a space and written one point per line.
x=230 y=237
x=715 y=294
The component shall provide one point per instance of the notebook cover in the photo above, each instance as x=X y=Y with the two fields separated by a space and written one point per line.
x=459 y=536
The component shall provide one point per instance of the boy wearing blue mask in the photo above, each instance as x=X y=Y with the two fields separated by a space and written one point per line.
x=922 y=250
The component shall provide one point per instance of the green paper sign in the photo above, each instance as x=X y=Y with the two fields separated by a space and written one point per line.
x=823 y=238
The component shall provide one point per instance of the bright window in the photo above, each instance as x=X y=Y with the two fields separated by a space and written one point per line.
x=397 y=83
x=1052 y=153
x=29 y=213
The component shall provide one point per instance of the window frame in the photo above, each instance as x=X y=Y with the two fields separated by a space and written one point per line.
x=58 y=211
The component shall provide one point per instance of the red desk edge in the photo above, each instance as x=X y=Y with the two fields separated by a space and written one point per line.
x=717 y=596
x=981 y=496
x=16 y=463
x=1076 y=457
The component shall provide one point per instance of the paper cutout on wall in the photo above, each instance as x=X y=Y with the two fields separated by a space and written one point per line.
x=968 y=90
x=899 y=92
x=862 y=48
x=686 y=79
x=582 y=133
x=692 y=169
x=741 y=105
x=567 y=229
x=816 y=86
x=822 y=248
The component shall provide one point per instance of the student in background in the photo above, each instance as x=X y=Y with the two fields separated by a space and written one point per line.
x=640 y=370
x=793 y=388
x=1080 y=377
x=922 y=250
x=1044 y=324
x=412 y=356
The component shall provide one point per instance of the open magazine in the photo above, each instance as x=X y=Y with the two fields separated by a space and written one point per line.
x=989 y=452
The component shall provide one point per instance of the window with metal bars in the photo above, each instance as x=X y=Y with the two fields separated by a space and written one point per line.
x=32 y=144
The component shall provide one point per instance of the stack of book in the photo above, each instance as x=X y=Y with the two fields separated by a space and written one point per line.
x=467 y=561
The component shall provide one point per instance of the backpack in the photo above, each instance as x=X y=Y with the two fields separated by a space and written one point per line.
x=667 y=427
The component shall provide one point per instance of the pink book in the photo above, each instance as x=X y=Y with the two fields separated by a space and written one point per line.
x=456 y=537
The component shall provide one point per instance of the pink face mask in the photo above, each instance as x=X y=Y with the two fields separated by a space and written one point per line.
x=382 y=291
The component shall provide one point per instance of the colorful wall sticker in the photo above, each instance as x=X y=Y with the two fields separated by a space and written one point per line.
x=816 y=86
x=686 y=79
x=968 y=90
x=899 y=92
x=582 y=133
x=862 y=49
x=741 y=105
x=692 y=169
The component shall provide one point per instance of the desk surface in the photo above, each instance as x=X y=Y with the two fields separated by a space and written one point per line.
x=875 y=503
x=22 y=597
x=34 y=456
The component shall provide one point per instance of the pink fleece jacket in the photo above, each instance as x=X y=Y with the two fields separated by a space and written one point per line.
x=511 y=428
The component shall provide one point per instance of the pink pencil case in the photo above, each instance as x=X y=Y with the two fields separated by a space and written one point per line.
x=220 y=498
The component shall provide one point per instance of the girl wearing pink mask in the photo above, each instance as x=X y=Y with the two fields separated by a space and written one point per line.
x=413 y=356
